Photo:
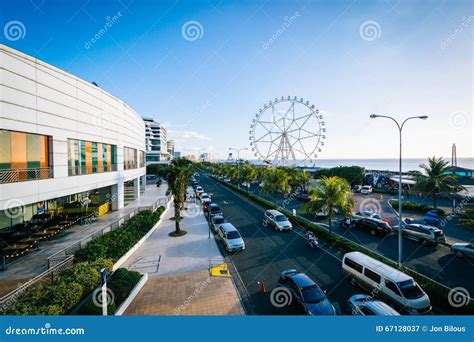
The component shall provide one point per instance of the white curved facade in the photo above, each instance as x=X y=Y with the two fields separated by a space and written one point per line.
x=36 y=97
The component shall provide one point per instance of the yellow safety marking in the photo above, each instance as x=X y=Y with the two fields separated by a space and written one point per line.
x=220 y=271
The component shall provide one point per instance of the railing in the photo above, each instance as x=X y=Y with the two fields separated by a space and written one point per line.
x=87 y=170
x=47 y=277
x=70 y=250
x=20 y=175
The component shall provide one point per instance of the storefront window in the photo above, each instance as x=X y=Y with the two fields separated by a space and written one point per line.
x=87 y=157
x=130 y=156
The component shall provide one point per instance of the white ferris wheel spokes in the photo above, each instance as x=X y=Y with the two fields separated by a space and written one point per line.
x=287 y=131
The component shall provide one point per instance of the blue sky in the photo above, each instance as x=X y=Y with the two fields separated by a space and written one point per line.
x=208 y=90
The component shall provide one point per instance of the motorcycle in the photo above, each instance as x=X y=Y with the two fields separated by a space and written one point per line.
x=312 y=241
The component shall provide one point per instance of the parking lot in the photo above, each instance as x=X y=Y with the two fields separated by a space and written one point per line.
x=268 y=253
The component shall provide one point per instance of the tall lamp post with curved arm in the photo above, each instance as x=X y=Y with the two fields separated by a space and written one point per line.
x=238 y=161
x=400 y=220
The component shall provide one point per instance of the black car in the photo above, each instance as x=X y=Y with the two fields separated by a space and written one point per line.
x=213 y=209
x=303 y=197
x=372 y=225
x=306 y=292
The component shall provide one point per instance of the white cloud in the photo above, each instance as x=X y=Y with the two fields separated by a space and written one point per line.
x=188 y=135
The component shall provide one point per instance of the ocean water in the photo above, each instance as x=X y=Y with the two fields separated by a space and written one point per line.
x=408 y=164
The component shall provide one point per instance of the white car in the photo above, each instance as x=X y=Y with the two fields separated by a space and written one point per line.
x=205 y=198
x=278 y=220
x=230 y=237
x=366 y=189
x=199 y=190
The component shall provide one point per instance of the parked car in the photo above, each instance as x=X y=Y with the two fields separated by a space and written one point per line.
x=365 y=305
x=205 y=198
x=422 y=233
x=432 y=218
x=357 y=188
x=306 y=292
x=231 y=237
x=366 y=190
x=463 y=249
x=215 y=221
x=303 y=197
x=199 y=190
x=372 y=225
x=214 y=209
x=386 y=283
x=277 y=220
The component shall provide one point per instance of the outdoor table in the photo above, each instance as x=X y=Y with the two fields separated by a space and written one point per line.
x=34 y=240
x=42 y=235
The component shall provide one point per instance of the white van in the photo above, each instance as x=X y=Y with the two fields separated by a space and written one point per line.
x=386 y=283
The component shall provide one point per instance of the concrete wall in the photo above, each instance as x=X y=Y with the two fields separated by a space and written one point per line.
x=39 y=98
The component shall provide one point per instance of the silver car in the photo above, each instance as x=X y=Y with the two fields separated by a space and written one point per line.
x=463 y=249
x=231 y=237
x=365 y=305
x=215 y=222
x=422 y=233
x=277 y=219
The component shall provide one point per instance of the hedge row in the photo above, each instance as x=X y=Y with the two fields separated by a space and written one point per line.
x=118 y=242
x=416 y=207
x=62 y=296
x=438 y=293
x=83 y=277
x=120 y=284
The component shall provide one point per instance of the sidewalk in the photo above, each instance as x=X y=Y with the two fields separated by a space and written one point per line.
x=178 y=269
x=27 y=267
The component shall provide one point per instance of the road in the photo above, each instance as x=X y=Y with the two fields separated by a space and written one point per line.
x=268 y=253
x=435 y=262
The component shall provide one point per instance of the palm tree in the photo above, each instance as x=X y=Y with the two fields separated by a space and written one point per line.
x=435 y=179
x=178 y=177
x=248 y=174
x=274 y=180
x=332 y=195
x=303 y=179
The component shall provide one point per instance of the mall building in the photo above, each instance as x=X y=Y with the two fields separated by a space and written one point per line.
x=64 y=143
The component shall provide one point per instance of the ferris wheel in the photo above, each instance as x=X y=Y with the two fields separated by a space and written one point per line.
x=287 y=131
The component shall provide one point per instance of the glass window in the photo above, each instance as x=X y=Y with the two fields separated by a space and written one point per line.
x=95 y=158
x=372 y=275
x=44 y=151
x=33 y=150
x=5 y=150
x=354 y=265
x=88 y=150
x=18 y=150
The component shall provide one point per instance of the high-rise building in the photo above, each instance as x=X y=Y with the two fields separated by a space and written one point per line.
x=171 y=146
x=156 y=148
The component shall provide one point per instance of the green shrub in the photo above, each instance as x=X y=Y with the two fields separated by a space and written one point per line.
x=416 y=207
x=438 y=294
x=89 y=308
x=82 y=273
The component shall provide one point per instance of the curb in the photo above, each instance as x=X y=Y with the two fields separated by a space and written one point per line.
x=132 y=250
x=126 y=303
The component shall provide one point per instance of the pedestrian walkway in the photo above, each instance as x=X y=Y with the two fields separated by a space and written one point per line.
x=189 y=293
x=178 y=269
x=27 y=267
x=162 y=254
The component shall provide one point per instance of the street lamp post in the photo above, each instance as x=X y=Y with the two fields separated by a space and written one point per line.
x=238 y=161
x=400 y=220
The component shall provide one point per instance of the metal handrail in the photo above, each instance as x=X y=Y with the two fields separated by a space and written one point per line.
x=25 y=174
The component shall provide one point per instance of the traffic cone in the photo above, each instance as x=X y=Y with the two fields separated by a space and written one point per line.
x=261 y=286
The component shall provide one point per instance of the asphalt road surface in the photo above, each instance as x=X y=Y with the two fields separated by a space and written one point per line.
x=437 y=262
x=268 y=253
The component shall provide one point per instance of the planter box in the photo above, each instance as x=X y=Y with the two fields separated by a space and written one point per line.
x=121 y=309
